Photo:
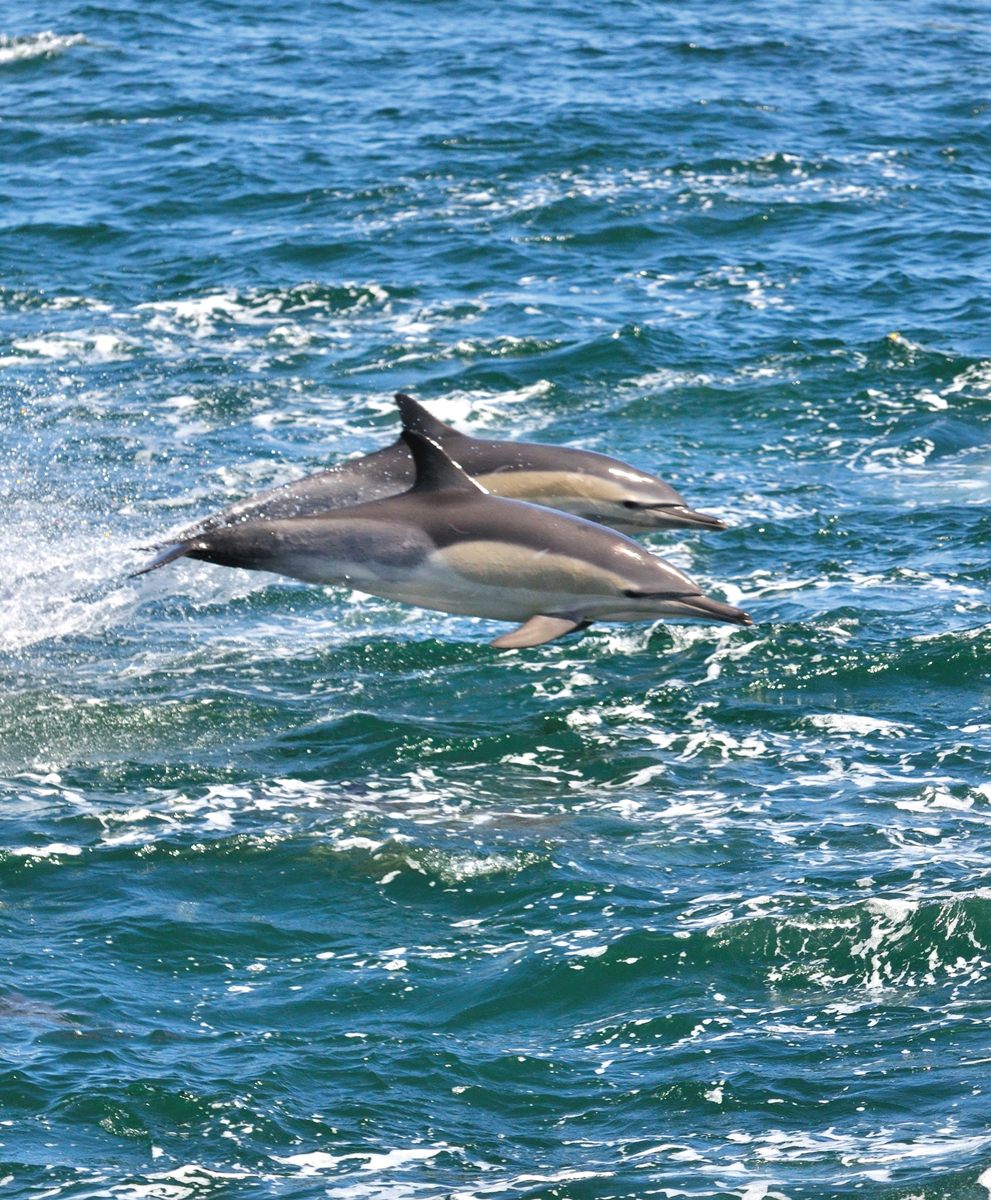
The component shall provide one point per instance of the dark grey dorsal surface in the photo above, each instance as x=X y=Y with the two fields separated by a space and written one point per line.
x=390 y=471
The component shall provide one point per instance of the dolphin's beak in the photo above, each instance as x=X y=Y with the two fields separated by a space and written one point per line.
x=677 y=517
x=716 y=610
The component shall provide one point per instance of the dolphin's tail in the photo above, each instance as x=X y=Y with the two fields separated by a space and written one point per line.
x=165 y=555
x=715 y=610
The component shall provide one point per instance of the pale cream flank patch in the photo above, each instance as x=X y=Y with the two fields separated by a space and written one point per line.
x=545 y=485
x=502 y=564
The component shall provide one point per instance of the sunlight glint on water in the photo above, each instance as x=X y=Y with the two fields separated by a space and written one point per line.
x=306 y=893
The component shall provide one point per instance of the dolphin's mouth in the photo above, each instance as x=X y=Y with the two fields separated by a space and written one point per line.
x=676 y=515
x=706 y=606
x=703 y=606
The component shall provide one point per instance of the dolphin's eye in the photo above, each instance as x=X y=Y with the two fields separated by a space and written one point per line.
x=630 y=504
x=633 y=594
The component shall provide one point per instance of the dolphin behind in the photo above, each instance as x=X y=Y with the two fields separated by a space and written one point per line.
x=582 y=482
x=447 y=544
x=586 y=484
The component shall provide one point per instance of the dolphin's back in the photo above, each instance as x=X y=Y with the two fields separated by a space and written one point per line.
x=554 y=476
x=445 y=543
x=480 y=458
x=340 y=547
x=386 y=472
x=507 y=468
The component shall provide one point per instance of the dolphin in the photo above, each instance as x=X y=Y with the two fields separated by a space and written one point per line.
x=448 y=544
x=589 y=485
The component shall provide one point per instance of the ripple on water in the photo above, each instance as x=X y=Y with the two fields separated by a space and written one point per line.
x=306 y=891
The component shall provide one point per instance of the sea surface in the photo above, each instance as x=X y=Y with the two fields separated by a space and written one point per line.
x=305 y=893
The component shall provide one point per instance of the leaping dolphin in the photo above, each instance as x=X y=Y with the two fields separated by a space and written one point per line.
x=589 y=485
x=448 y=544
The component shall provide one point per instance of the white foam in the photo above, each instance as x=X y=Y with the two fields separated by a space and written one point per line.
x=145 y=1191
x=315 y=1161
x=195 y=1174
x=874 y=1155
x=69 y=348
x=55 y=850
x=482 y=411
x=37 y=45
x=855 y=1151
x=851 y=723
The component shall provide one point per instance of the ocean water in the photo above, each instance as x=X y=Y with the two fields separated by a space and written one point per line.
x=304 y=893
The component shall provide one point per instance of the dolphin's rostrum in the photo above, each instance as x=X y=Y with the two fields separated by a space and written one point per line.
x=448 y=544
x=589 y=485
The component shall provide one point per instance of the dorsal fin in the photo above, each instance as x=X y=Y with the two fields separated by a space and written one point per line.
x=435 y=472
x=416 y=417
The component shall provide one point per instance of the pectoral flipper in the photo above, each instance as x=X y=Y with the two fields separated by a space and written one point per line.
x=536 y=631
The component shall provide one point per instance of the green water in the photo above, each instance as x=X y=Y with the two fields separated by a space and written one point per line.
x=305 y=893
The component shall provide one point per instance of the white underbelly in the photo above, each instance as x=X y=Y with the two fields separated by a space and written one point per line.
x=435 y=585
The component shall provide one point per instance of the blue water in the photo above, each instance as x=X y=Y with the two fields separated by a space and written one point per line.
x=305 y=893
